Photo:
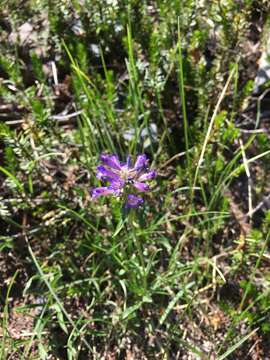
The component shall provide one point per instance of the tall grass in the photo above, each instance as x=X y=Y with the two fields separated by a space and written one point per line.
x=183 y=275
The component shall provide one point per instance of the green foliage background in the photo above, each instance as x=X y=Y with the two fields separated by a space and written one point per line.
x=188 y=274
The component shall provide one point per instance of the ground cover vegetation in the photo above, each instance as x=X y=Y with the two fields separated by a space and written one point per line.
x=186 y=274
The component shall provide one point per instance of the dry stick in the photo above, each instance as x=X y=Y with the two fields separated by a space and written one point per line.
x=66 y=117
x=250 y=208
x=172 y=159
x=210 y=127
x=265 y=201
x=258 y=131
x=54 y=71
x=222 y=95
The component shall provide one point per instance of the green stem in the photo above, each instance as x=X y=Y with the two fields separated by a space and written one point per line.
x=139 y=249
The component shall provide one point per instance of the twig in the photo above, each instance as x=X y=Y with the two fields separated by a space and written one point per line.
x=256 y=131
x=250 y=209
x=172 y=159
x=211 y=124
x=54 y=71
x=66 y=117
x=259 y=206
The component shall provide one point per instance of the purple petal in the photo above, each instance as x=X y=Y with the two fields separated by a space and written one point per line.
x=148 y=176
x=117 y=184
x=141 y=186
x=104 y=173
x=103 y=191
x=129 y=162
x=141 y=162
x=134 y=201
x=111 y=161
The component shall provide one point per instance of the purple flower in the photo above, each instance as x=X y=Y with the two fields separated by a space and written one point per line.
x=133 y=201
x=121 y=177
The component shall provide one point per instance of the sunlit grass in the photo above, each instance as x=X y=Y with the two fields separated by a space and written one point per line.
x=185 y=273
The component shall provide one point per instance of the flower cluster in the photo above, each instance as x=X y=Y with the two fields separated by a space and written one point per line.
x=122 y=176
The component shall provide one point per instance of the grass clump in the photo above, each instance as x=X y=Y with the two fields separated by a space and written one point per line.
x=184 y=275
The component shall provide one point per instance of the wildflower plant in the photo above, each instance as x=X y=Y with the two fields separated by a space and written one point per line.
x=122 y=178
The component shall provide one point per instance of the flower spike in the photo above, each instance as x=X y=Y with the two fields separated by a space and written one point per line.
x=122 y=177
